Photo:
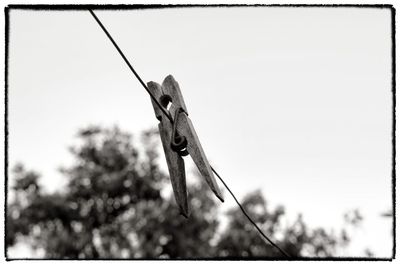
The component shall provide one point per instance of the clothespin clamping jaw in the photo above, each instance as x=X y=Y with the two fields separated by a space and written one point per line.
x=179 y=139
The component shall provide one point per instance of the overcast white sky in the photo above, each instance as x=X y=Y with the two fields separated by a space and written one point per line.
x=293 y=101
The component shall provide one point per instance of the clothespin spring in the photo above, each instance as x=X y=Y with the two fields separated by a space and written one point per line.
x=178 y=142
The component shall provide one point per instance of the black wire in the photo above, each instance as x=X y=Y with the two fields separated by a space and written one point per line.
x=130 y=66
x=248 y=217
x=170 y=118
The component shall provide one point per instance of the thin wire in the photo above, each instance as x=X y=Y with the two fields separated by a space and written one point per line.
x=170 y=118
x=248 y=217
x=130 y=66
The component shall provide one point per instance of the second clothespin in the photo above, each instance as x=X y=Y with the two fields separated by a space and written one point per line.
x=179 y=139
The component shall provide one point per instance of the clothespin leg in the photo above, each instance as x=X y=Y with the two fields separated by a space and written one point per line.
x=176 y=168
x=185 y=128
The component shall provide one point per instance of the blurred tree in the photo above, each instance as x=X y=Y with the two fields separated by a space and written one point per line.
x=240 y=239
x=113 y=207
x=387 y=214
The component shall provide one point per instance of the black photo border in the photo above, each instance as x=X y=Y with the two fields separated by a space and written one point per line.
x=74 y=7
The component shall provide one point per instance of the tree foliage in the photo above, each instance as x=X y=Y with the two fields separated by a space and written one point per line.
x=116 y=205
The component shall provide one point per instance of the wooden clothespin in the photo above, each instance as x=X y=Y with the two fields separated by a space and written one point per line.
x=179 y=139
